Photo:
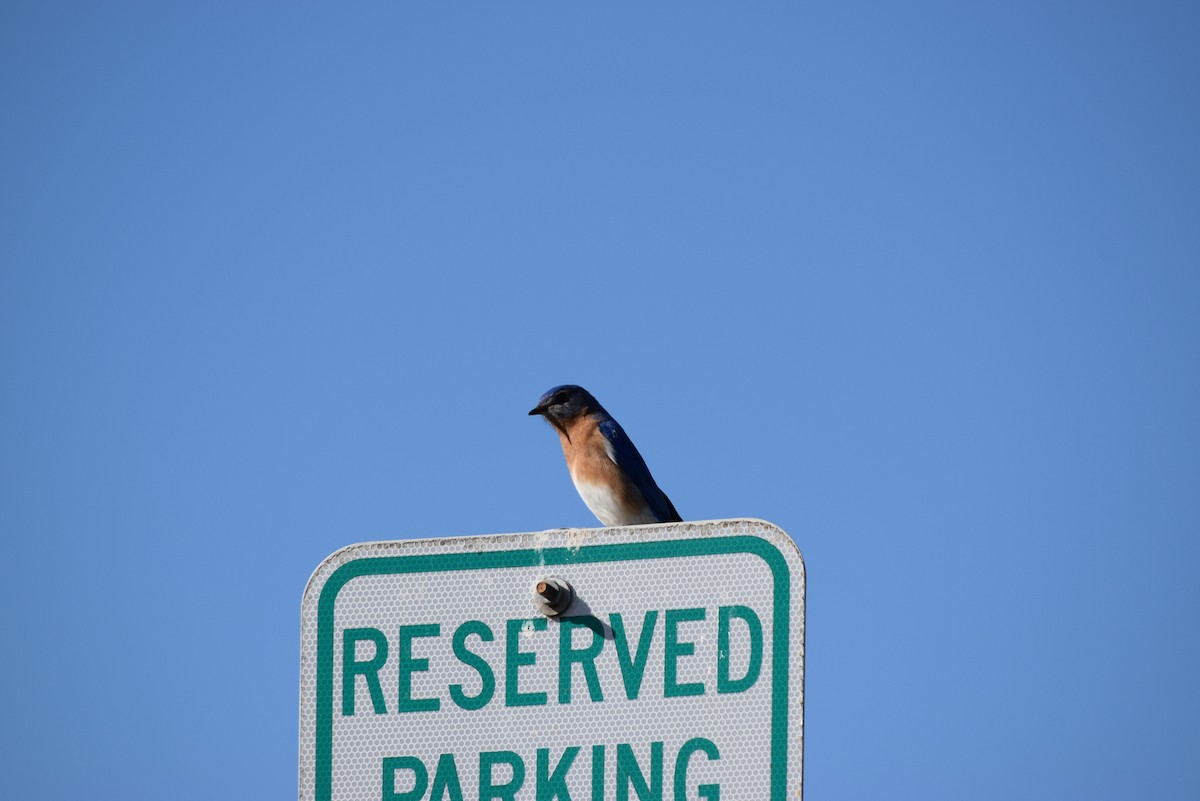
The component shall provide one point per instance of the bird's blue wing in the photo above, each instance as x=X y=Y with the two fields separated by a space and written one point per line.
x=631 y=463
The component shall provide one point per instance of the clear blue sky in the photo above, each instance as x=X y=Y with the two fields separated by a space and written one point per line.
x=918 y=282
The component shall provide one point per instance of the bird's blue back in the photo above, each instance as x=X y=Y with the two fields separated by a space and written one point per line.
x=631 y=463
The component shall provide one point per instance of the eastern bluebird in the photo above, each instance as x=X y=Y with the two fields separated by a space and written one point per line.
x=610 y=474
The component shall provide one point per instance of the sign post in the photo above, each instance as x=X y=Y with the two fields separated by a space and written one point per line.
x=659 y=662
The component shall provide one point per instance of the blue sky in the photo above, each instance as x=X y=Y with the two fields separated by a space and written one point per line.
x=919 y=283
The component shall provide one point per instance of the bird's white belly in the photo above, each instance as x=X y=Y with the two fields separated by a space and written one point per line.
x=606 y=505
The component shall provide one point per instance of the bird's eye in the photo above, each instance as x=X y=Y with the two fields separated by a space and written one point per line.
x=559 y=398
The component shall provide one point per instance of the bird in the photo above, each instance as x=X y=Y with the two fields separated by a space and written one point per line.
x=606 y=468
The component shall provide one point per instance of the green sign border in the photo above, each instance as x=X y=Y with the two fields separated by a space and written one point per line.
x=587 y=554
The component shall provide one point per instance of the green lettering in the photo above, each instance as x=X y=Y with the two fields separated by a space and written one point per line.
x=554 y=785
x=488 y=789
x=445 y=780
x=410 y=664
x=568 y=655
x=633 y=669
x=486 y=677
x=673 y=649
x=754 y=626
x=709 y=792
x=630 y=773
x=368 y=669
x=514 y=659
x=420 y=778
x=598 y=773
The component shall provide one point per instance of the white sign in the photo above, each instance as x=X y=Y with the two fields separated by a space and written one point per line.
x=430 y=671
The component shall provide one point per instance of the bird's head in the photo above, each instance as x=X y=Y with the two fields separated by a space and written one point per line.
x=565 y=403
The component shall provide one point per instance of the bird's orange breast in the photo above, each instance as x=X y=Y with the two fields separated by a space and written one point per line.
x=587 y=454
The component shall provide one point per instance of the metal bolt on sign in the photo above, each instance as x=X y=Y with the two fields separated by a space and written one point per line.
x=553 y=596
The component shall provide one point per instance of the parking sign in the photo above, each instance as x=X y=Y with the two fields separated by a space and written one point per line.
x=673 y=667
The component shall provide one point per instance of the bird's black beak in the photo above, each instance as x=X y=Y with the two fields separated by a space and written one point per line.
x=536 y=410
